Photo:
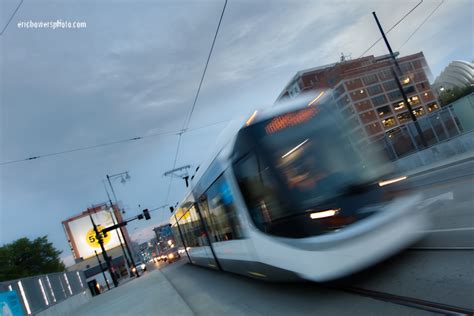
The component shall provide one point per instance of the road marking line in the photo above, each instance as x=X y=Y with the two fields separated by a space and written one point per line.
x=431 y=200
x=448 y=230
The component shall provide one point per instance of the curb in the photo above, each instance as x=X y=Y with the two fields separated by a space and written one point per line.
x=454 y=163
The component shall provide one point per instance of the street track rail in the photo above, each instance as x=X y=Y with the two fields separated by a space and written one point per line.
x=440 y=248
x=410 y=301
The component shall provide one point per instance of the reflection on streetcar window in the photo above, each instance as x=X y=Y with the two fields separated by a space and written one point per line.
x=259 y=190
x=218 y=209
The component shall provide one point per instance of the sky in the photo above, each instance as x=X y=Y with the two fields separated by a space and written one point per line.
x=134 y=71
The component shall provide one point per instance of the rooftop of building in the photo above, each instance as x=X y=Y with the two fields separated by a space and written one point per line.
x=350 y=65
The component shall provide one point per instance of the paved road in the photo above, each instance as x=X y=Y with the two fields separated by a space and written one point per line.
x=436 y=274
x=208 y=292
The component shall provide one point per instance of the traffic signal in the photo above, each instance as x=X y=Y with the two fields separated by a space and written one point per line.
x=171 y=209
x=146 y=213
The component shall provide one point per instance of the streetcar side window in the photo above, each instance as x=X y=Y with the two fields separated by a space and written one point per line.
x=192 y=229
x=219 y=212
x=259 y=189
x=176 y=234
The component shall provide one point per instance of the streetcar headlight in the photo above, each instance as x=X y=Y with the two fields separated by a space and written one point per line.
x=134 y=269
x=387 y=182
x=323 y=214
x=143 y=266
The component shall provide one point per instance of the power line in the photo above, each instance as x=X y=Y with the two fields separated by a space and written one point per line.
x=11 y=17
x=105 y=144
x=188 y=118
x=391 y=28
x=421 y=24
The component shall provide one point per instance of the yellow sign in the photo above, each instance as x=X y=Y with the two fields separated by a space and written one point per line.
x=91 y=238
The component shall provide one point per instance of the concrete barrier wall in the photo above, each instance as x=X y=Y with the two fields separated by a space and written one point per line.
x=441 y=151
x=65 y=307
x=49 y=291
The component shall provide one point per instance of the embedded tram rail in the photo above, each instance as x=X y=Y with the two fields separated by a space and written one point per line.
x=430 y=306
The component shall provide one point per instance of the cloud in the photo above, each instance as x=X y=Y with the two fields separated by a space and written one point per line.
x=135 y=71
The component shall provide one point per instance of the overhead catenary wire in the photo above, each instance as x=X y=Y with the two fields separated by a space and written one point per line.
x=188 y=118
x=105 y=144
x=11 y=17
x=392 y=27
x=421 y=24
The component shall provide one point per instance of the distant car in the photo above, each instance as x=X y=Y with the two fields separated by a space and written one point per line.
x=172 y=255
x=139 y=267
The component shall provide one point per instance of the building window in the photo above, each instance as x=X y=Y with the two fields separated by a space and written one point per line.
x=414 y=100
x=432 y=107
x=417 y=64
x=363 y=105
x=340 y=90
x=373 y=128
x=419 y=112
x=398 y=106
x=376 y=89
x=348 y=111
x=427 y=96
x=367 y=117
x=389 y=122
x=369 y=79
x=404 y=117
x=390 y=85
x=385 y=74
x=406 y=67
x=379 y=100
x=384 y=111
x=420 y=76
x=409 y=90
x=422 y=86
x=394 y=95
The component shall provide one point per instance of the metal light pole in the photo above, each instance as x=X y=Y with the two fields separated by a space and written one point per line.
x=98 y=236
x=127 y=176
x=395 y=74
x=102 y=269
x=118 y=233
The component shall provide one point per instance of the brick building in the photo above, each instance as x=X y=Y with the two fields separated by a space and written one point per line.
x=367 y=94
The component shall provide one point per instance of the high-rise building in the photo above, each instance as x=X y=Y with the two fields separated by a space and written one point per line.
x=458 y=74
x=367 y=94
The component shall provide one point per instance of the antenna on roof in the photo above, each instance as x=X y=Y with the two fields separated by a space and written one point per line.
x=343 y=57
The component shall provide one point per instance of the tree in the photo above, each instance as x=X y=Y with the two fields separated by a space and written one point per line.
x=25 y=257
x=448 y=96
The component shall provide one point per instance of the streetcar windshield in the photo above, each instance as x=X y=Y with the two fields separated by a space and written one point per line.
x=316 y=163
x=300 y=161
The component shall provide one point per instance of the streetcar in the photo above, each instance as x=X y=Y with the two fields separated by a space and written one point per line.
x=289 y=193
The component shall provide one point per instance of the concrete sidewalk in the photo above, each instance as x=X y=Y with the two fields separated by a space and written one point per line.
x=151 y=294
x=438 y=165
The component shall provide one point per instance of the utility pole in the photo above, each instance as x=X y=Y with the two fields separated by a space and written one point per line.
x=396 y=75
x=132 y=261
x=184 y=176
x=118 y=233
x=98 y=236
x=102 y=269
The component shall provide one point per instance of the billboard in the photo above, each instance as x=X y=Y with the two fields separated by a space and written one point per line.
x=81 y=233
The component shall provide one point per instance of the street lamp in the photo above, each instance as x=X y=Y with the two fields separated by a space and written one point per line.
x=124 y=177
